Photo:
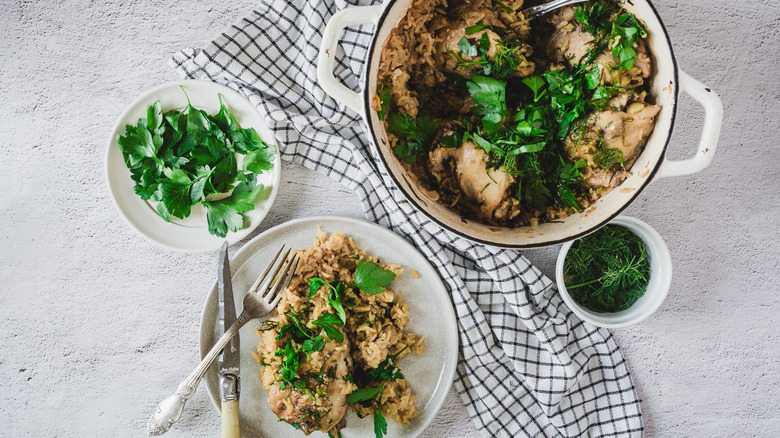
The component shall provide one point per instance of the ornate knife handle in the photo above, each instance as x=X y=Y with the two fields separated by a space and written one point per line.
x=170 y=409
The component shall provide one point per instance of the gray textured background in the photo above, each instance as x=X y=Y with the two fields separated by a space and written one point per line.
x=96 y=324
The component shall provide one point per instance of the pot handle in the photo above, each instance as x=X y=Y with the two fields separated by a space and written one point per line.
x=713 y=119
x=327 y=57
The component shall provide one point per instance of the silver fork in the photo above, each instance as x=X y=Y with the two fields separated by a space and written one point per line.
x=261 y=299
x=538 y=11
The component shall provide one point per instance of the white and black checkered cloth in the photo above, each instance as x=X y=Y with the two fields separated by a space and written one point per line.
x=527 y=365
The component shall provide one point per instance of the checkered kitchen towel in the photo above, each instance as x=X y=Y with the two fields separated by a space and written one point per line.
x=527 y=365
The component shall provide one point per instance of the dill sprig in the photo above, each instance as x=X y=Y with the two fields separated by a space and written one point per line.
x=607 y=271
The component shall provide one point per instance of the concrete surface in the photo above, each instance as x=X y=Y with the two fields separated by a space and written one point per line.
x=96 y=324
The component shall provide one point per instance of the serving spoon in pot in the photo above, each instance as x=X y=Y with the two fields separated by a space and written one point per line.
x=538 y=11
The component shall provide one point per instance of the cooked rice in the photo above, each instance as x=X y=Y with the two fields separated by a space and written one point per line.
x=375 y=326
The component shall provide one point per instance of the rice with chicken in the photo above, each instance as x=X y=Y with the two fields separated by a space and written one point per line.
x=311 y=367
x=514 y=123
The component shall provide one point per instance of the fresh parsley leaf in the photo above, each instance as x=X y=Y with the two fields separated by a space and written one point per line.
x=363 y=394
x=328 y=318
x=154 y=118
x=223 y=218
x=452 y=141
x=372 y=279
x=593 y=78
x=408 y=151
x=225 y=173
x=315 y=283
x=611 y=26
x=197 y=120
x=311 y=345
x=334 y=299
x=475 y=28
x=259 y=160
x=418 y=129
x=485 y=145
x=565 y=196
x=387 y=369
x=198 y=186
x=339 y=308
x=466 y=48
x=528 y=148
x=289 y=367
x=226 y=214
x=224 y=119
x=329 y=322
x=176 y=197
x=177 y=121
x=418 y=134
x=380 y=424
x=147 y=147
x=245 y=140
x=601 y=93
x=535 y=83
x=490 y=96
x=368 y=397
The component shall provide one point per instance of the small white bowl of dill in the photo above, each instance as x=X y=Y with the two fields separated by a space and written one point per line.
x=617 y=276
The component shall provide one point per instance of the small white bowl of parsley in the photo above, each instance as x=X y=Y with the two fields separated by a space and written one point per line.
x=191 y=164
x=617 y=276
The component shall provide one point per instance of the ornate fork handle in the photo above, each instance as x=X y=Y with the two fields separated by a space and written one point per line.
x=170 y=409
x=261 y=299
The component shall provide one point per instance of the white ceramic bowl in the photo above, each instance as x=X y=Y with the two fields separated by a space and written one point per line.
x=657 y=288
x=191 y=233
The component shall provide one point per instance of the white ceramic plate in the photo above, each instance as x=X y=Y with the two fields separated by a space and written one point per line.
x=190 y=234
x=432 y=316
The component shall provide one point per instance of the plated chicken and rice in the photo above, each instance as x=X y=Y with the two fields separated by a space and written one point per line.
x=335 y=342
x=514 y=123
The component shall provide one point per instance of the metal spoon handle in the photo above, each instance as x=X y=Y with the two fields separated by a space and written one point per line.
x=170 y=409
x=537 y=11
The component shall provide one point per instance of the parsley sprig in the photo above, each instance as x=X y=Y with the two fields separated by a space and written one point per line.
x=416 y=134
x=291 y=355
x=505 y=61
x=372 y=396
x=178 y=158
x=369 y=278
x=368 y=397
x=527 y=144
x=611 y=26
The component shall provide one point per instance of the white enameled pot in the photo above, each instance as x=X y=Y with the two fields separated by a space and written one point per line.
x=667 y=83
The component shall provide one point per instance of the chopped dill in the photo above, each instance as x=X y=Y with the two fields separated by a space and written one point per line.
x=607 y=271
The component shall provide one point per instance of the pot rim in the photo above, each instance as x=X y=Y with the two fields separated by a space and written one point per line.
x=367 y=99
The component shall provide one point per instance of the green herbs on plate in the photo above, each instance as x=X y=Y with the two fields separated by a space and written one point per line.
x=608 y=270
x=180 y=158
x=302 y=337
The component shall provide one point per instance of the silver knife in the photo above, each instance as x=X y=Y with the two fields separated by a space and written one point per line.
x=229 y=361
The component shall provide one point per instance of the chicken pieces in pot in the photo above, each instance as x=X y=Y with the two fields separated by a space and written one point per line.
x=512 y=124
